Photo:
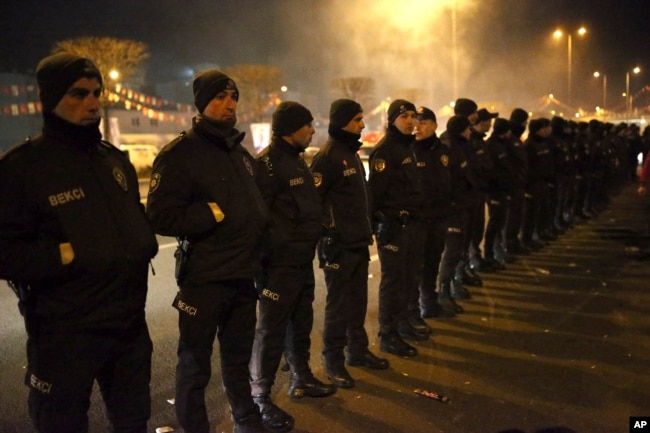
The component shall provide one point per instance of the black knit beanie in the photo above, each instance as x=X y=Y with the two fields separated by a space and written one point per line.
x=519 y=115
x=457 y=124
x=342 y=111
x=500 y=126
x=289 y=117
x=465 y=107
x=208 y=83
x=397 y=107
x=56 y=73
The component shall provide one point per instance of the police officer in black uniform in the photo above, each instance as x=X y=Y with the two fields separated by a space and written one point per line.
x=500 y=189
x=397 y=201
x=433 y=162
x=519 y=161
x=287 y=284
x=537 y=193
x=76 y=246
x=455 y=137
x=483 y=168
x=203 y=191
x=465 y=274
x=343 y=250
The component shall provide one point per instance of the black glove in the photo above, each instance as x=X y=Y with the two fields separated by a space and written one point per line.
x=328 y=252
x=385 y=231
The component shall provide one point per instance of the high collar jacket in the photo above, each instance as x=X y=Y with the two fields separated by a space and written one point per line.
x=66 y=186
x=394 y=182
x=202 y=166
x=288 y=190
x=341 y=183
x=433 y=162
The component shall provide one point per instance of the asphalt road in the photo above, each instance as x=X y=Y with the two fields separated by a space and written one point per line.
x=559 y=342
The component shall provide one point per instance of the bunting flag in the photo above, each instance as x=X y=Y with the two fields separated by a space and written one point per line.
x=134 y=104
x=15 y=90
x=148 y=105
x=20 y=109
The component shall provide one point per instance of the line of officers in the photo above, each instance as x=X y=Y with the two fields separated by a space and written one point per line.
x=424 y=203
x=77 y=243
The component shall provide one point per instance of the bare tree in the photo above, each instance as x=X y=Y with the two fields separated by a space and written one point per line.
x=360 y=89
x=411 y=94
x=121 y=56
x=259 y=86
x=109 y=54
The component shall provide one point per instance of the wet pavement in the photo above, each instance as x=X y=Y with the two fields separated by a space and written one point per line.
x=558 y=342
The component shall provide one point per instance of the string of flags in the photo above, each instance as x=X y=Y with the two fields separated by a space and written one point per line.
x=152 y=107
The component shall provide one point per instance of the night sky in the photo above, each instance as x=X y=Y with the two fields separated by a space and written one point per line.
x=505 y=49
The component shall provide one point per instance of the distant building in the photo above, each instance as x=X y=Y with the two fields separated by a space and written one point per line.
x=20 y=108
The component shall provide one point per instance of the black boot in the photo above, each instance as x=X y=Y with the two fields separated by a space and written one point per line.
x=393 y=343
x=435 y=311
x=458 y=291
x=446 y=301
x=338 y=375
x=273 y=418
x=306 y=385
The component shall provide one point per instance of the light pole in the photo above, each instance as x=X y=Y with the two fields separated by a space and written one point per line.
x=113 y=75
x=598 y=74
x=558 y=34
x=628 y=100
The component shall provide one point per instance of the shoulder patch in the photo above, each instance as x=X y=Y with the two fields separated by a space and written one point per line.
x=120 y=178
x=444 y=159
x=379 y=165
x=154 y=182
x=318 y=179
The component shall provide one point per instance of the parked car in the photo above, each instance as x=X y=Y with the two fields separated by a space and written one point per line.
x=141 y=156
x=309 y=154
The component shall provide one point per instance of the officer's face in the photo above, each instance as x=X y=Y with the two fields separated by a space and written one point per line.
x=356 y=125
x=473 y=118
x=484 y=125
x=80 y=104
x=425 y=129
x=466 y=133
x=303 y=136
x=405 y=122
x=223 y=106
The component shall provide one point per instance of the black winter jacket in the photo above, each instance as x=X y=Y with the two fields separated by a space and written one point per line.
x=67 y=186
x=288 y=189
x=394 y=183
x=203 y=166
x=341 y=183
x=433 y=162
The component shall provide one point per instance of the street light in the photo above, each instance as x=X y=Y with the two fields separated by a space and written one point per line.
x=628 y=102
x=598 y=74
x=557 y=35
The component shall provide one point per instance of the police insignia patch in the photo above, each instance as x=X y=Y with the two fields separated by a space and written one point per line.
x=445 y=160
x=318 y=179
x=248 y=166
x=154 y=182
x=120 y=178
x=380 y=165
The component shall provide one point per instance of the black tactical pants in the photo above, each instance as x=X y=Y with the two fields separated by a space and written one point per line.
x=225 y=309
x=401 y=259
x=286 y=317
x=436 y=233
x=63 y=367
x=455 y=245
x=514 y=217
x=497 y=210
x=346 y=305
